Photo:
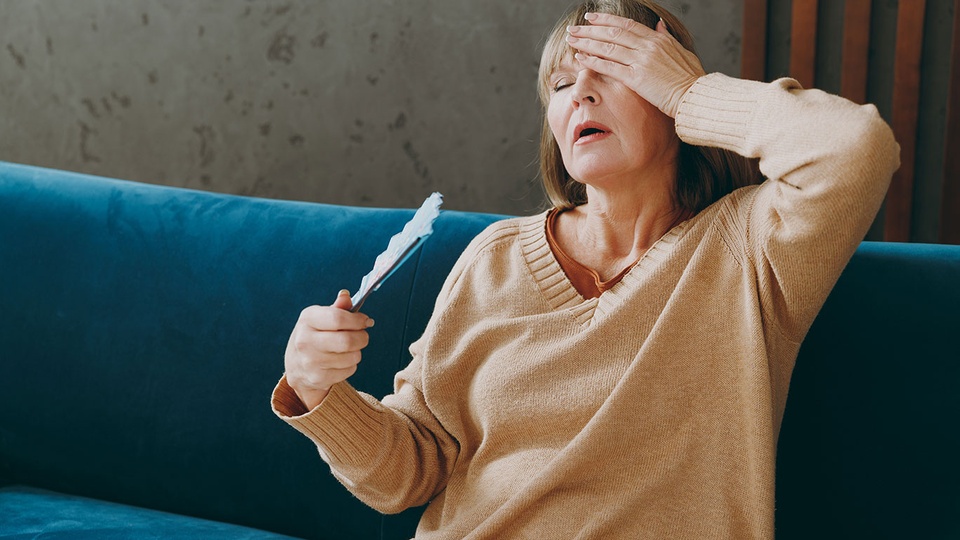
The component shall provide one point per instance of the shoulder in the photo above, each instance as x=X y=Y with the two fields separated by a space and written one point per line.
x=500 y=234
x=491 y=249
x=730 y=219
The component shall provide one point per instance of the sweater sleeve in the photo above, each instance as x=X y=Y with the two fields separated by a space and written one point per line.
x=828 y=164
x=391 y=458
x=391 y=454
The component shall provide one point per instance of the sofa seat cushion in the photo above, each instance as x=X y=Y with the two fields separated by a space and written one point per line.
x=33 y=513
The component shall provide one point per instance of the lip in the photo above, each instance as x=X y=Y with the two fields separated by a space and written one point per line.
x=578 y=129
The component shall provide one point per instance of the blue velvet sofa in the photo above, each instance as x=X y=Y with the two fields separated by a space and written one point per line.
x=142 y=329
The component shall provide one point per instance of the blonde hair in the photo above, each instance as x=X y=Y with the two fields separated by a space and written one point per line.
x=704 y=174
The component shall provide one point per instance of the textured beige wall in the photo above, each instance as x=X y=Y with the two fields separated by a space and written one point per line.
x=373 y=103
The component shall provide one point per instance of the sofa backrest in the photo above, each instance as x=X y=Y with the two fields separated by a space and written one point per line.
x=142 y=329
x=871 y=436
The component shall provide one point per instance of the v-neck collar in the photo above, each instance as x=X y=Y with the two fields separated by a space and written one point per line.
x=559 y=292
x=581 y=276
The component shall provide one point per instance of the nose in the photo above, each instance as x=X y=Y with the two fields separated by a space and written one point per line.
x=585 y=89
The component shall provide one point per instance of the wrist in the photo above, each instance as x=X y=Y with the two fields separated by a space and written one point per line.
x=312 y=397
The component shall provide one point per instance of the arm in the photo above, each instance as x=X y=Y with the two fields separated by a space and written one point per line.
x=392 y=458
x=392 y=454
x=829 y=161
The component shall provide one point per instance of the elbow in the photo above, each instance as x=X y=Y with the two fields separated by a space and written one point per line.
x=390 y=508
x=395 y=504
x=876 y=142
x=863 y=151
x=871 y=157
x=392 y=497
x=384 y=503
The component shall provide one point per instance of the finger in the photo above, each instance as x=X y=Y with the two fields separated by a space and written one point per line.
x=337 y=361
x=631 y=37
x=615 y=21
x=603 y=66
x=662 y=27
x=606 y=50
x=313 y=343
x=659 y=43
x=333 y=318
x=345 y=341
x=343 y=300
x=608 y=34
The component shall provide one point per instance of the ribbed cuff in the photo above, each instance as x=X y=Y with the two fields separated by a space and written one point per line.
x=285 y=401
x=347 y=427
x=718 y=111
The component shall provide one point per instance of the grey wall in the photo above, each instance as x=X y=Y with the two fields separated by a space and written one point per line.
x=362 y=102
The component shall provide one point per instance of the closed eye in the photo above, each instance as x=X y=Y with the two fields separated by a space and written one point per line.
x=561 y=84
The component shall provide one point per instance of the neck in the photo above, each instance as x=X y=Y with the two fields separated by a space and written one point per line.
x=625 y=225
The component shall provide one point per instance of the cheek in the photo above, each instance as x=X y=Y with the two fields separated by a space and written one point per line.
x=555 y=120
x=558 y=119
x=651 y=130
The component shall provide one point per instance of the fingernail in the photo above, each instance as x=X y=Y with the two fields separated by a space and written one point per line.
x=573 y=29
x=343 y=292
x=571 y=39
x=369 y=322
x=664 y=23
x=590 y=16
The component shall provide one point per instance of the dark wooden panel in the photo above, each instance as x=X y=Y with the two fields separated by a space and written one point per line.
x=753 y=51
x=906 y=99
x=950 y=199
x=803 y=42
x=856 y=50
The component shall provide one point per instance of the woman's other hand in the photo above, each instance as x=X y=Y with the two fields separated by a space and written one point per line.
x=652 y=63
x=324 y=348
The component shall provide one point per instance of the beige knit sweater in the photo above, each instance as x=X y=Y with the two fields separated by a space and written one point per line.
x=649 y=412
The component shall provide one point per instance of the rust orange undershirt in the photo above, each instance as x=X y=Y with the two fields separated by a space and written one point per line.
x=584 y=280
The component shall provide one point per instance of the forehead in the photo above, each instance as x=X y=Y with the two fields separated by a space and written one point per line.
x=557 y=56
x=565 y=63
x=556 y=50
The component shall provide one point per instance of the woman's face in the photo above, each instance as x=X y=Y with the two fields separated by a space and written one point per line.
x=606 y=132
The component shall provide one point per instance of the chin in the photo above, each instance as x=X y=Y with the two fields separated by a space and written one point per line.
x=597 y=176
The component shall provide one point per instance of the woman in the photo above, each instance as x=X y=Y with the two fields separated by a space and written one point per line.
x=617 y=366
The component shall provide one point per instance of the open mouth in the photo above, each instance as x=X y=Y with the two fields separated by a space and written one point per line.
x=590 y=131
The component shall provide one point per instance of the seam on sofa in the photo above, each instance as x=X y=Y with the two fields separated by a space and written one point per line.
x=404 y=340
x=406 y=314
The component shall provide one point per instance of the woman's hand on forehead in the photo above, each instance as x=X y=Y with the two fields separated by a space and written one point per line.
x=650 y=62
